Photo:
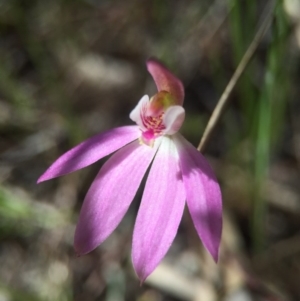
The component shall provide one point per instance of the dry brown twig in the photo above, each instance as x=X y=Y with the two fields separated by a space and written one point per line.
x=223 y=101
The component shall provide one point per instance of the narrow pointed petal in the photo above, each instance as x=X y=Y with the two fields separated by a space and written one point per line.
x=173 y=119
x=160 y=211
x=136 y=113
x=165 y=80
x=90 y=151
x=203 y=194
x=110 y=195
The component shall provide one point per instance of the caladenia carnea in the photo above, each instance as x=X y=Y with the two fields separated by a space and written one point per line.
x=178 y=174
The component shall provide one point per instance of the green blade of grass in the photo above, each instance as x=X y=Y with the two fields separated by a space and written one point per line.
x=270 y=121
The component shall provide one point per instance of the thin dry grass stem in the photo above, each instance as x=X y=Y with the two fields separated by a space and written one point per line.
x=218 y=111
x=213 y=12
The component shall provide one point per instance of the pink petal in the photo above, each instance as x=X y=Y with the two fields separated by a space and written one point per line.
x=136 y=113
x=111 y=194
x=90 y=151
x=165 y=80
x=203 y=193
x=173 y=119
x=160 y=211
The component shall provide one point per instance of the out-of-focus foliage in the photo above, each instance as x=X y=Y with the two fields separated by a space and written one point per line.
x=70 y=69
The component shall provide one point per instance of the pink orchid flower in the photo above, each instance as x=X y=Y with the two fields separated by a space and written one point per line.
x=178 y=173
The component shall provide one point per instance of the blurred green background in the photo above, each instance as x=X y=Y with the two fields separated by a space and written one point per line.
x=71 y=69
